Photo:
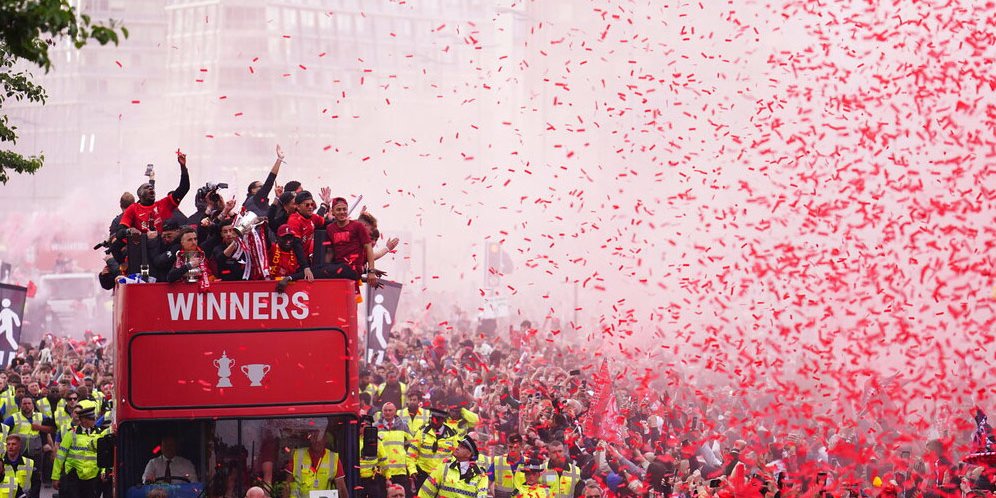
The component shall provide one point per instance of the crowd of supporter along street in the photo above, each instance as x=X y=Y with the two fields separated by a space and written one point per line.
x=512 y=414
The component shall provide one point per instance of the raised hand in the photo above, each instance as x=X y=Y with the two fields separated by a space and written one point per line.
x=181 y=158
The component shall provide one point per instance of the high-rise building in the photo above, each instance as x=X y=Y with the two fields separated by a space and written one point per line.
x=88 y=128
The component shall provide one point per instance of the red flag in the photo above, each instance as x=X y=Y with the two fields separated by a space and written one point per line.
x=77 y=378
x=603 y=415
x=32 y=289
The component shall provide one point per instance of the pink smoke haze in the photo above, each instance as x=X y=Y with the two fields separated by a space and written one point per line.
x=785 y=198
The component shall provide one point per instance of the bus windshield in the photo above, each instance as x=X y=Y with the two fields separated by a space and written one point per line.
x=221 y=458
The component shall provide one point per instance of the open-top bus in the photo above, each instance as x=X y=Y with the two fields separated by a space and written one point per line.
x=239 y=376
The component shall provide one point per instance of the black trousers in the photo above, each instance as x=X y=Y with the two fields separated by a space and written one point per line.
x=405 y=482
x=420 y=479
x=331 y=270
x=39 y=458
x=371 y=487
x=71 y=486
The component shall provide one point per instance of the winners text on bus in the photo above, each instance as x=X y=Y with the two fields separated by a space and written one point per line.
x=237 y=306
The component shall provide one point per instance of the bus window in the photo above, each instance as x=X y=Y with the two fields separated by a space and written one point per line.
x=230 y=455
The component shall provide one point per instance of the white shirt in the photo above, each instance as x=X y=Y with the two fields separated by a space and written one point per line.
x=178 y=467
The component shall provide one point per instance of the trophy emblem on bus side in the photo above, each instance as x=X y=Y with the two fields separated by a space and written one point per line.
x=224 y=366
x=255 y=372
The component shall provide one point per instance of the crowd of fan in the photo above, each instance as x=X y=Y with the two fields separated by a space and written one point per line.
x=293 y=237
x=43 y=393
x=523 y=398
x=524 y=407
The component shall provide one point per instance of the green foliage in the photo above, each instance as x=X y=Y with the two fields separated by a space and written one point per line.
x=28 y=29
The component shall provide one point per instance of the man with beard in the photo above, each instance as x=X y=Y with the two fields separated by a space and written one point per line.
x=562 y=475
x=351 y=244
x=148 y=214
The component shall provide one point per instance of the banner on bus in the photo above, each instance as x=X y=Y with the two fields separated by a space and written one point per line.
x=382 y=304
x=237 y=369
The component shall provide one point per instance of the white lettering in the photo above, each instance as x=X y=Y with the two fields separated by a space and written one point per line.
x=239 y=305
x=217 y=306
x=179 y=305
x=279 y=307
x=258 y=303
x=300 y=301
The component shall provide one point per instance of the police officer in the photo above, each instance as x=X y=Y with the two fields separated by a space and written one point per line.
x=430 y=446
x=460 y=477
x=460 y=419
x=75 y=474
x=19 y=475
x=532 y=487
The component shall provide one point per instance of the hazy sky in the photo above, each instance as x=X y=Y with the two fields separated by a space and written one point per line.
x=815 y=179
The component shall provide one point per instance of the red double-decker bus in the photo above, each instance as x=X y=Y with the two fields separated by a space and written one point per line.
x=235 y=378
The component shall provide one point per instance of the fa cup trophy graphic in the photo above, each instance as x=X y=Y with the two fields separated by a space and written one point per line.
x=224 y=365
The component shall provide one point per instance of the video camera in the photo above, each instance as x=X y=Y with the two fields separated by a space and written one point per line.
x=209 y=190
x=210 y=187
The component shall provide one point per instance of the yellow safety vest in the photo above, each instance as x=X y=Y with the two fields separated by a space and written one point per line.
x=415 y=423
x=44 y=407
x=393 y=443
x=507 y=480
x=22 y=426
x=78 y=452
x=370 y=467
x=8 y=400
x=5 y=429
x=308 y=478
x=428 y=450
x=534 y=491
x=445 y=482
x=63 y=419
x=561 y=486
x=467 y=422
x=371 y=389
x=404 y=392
x=21 y=478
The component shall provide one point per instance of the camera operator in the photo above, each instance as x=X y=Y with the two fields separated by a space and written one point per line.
x=210 y=205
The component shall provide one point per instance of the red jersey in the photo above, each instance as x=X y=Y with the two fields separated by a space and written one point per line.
x=146 y=218
x=304 y=229
x=282 y=263
x=348 y=244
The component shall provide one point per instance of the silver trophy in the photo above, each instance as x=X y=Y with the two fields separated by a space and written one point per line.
x=194 y=261
x=247 y=222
